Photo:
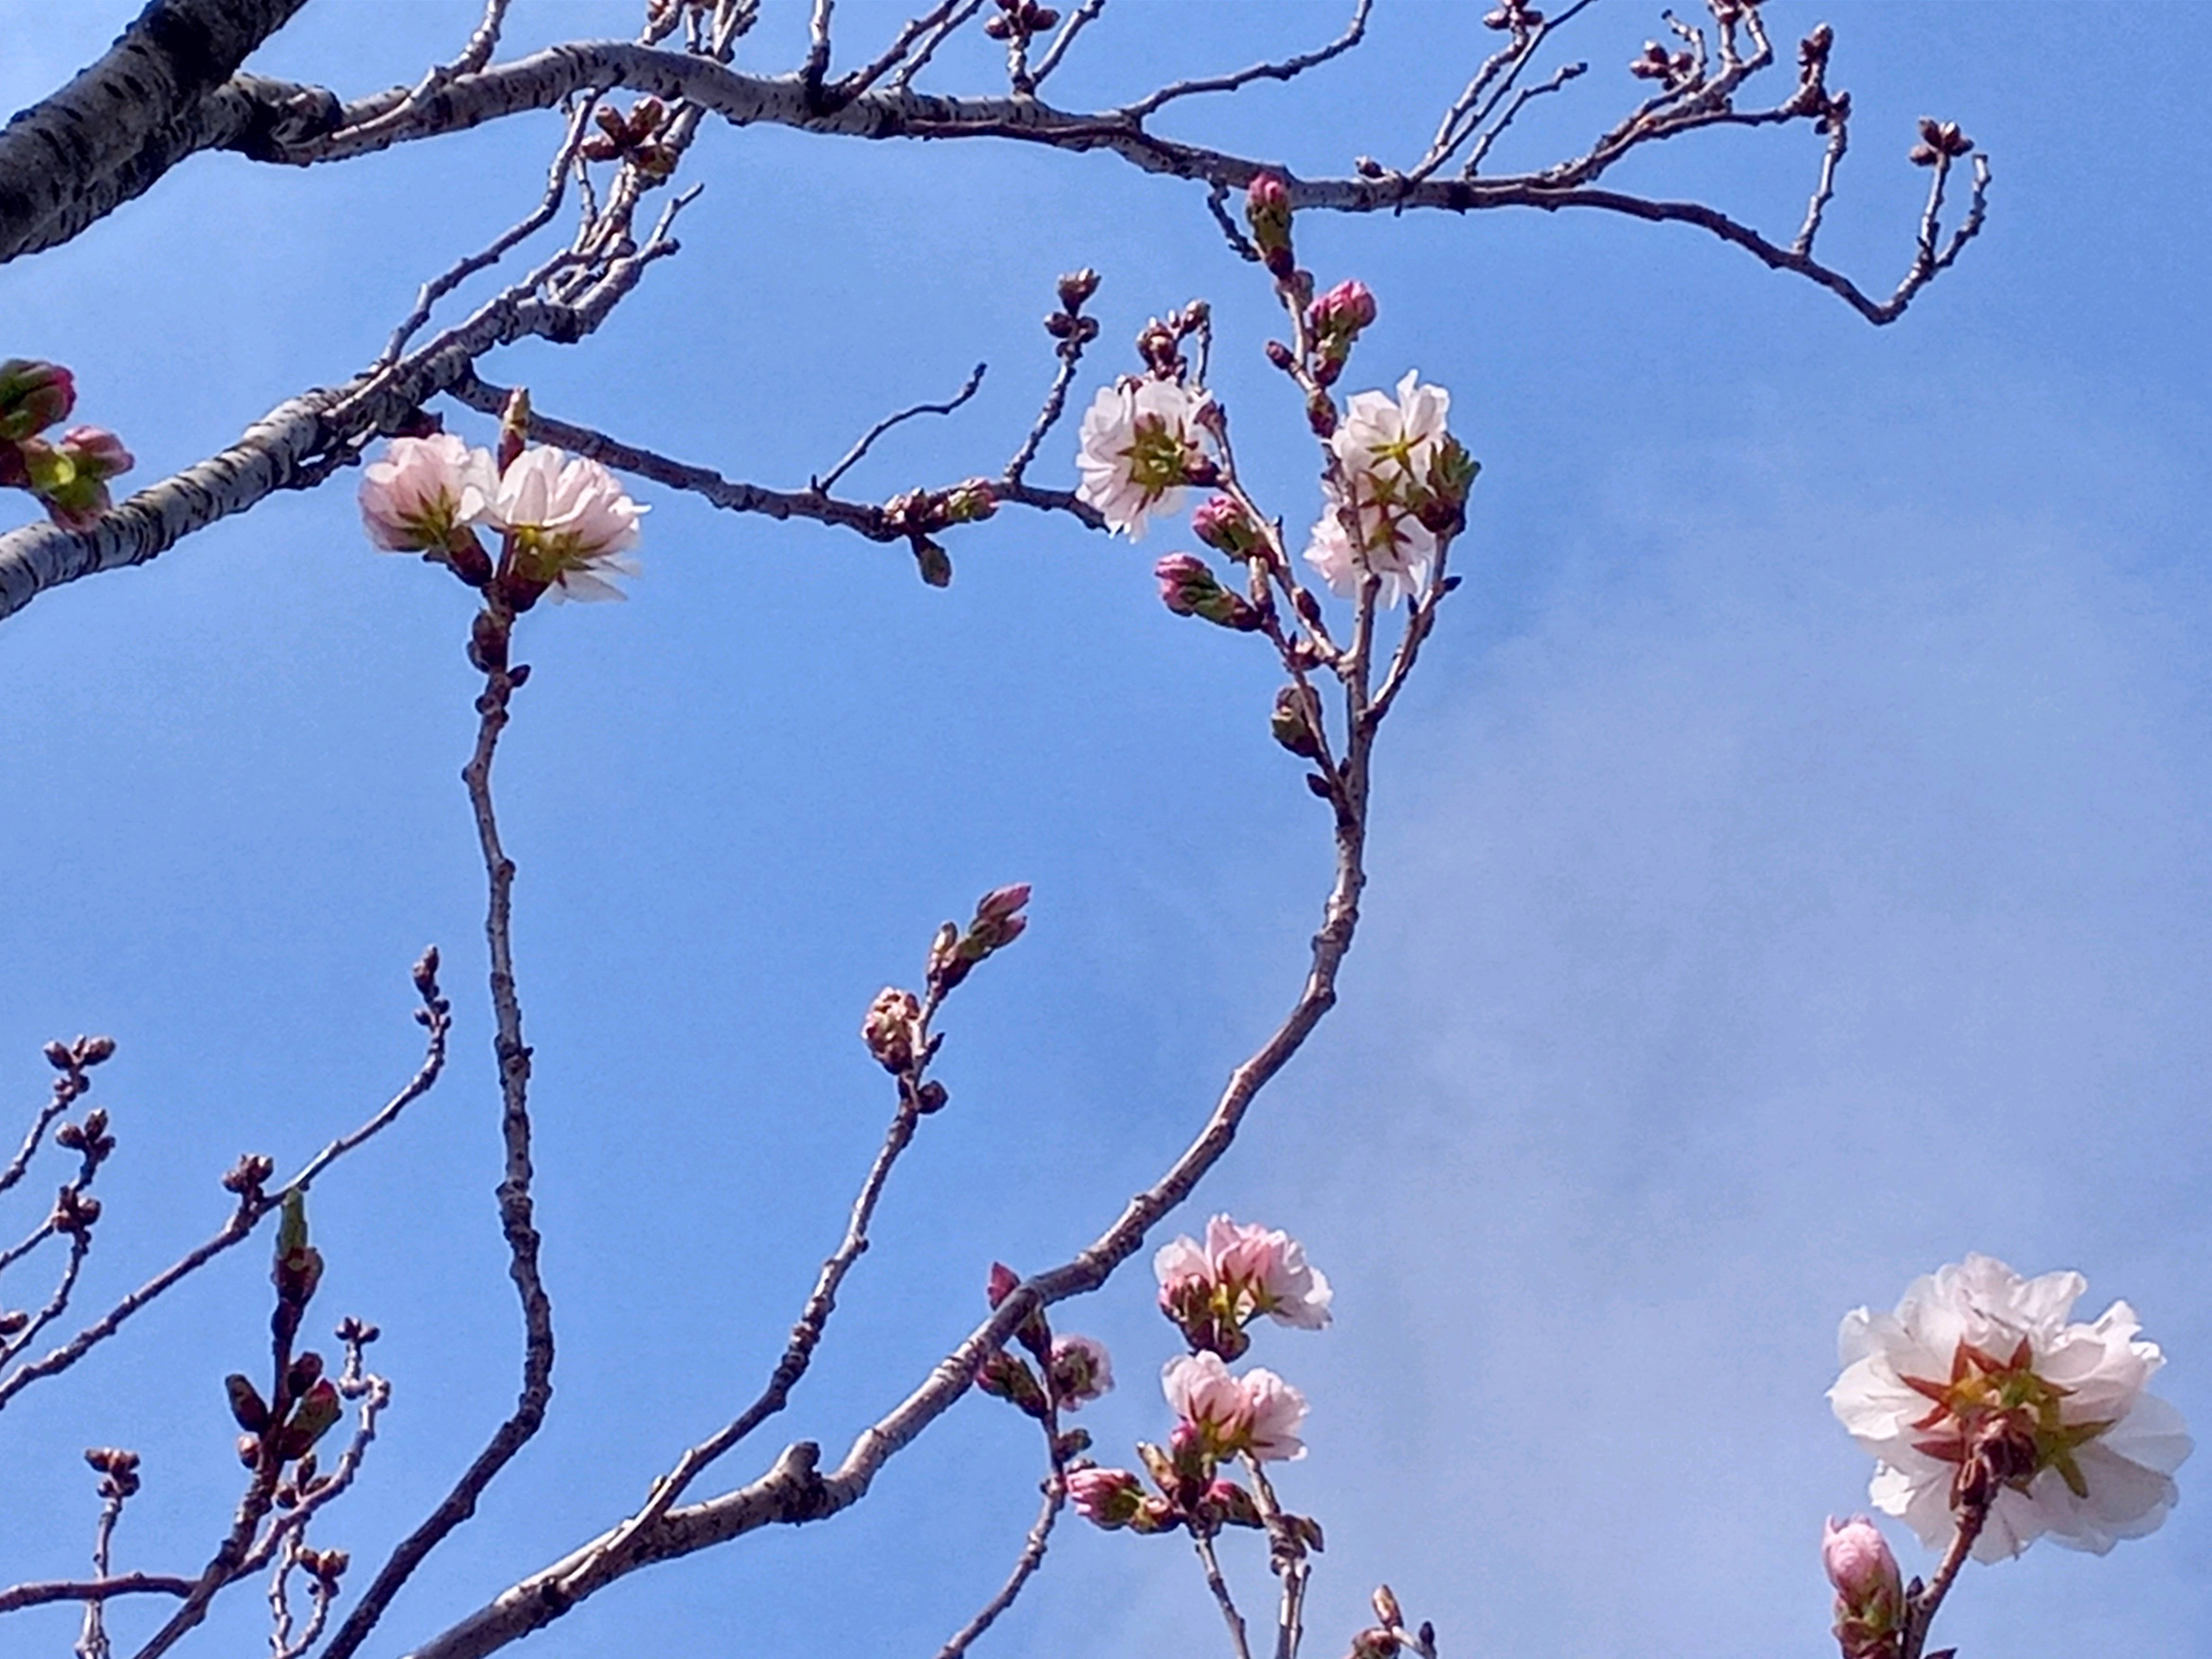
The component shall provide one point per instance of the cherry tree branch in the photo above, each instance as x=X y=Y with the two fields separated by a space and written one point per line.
x=248 y=1180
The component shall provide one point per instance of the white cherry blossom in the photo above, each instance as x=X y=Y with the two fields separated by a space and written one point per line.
x=1975 y=1347
x=1139 y=440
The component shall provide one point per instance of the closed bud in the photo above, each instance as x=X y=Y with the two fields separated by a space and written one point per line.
x=33 y=395
x=1293 y=723
x=1007 y=1377
x=1268 y=210
x=889 y=1029
x=1003 y=1283
x=314 y=1419
x=1189 y=588
x=1229 y=1504
x=1076 y=288
x=1111 y=1499
x=971 y=502
x=245 y=1403
x=935 y=563
x=1387 y=1610
x=91 y=1050
x=1223 y=525
x=1871 y=1606
x=60 y=1056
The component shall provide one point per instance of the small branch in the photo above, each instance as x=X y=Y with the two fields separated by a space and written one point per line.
x=1025 y=1566
x=1079 y=19
x=1288 y=70
x=40 y=1594
x=821 y=486
x=517 y=1220
x=1560 y=76
x=254 y=1202
x=922 y=53
x=557 y=188
x=903 y=42
x=1921 y=1609
x=1219 y=1586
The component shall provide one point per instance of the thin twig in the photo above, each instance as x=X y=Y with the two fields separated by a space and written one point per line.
x=822 y=486
x=556 y=186
x=1079 y=19
x=254 y=1202
x=516 y=1216
x=1024 y=1568
x=902 y=43
x=1219 y=1586
x=1288 y=69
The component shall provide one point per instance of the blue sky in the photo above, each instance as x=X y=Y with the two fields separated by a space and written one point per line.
x=1791 y=863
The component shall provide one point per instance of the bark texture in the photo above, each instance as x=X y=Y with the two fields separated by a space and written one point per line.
x=164 y=89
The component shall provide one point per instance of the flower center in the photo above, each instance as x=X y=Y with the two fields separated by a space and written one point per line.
x=1158 y=458
x=2001 y=1408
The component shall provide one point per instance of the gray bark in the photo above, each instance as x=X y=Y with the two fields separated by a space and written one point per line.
x=168 y=87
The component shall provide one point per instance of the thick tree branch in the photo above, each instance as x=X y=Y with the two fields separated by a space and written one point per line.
x=165 y=90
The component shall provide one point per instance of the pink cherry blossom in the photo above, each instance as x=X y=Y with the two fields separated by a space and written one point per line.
x=1138 y=441
x=1257 y=1412
x=1277 y=1412
x=1269 y=1266
x=1106 y=1498
x=572 y=518
x=422 y=489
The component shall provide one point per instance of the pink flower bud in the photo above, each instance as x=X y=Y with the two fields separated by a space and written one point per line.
x=33 y=395
x=96 y=452
x=1223 y=524
x=1106 y=1498
x=1345 y=309
x=1869 y=1588
x=1268 y=210
x=1858 y=1560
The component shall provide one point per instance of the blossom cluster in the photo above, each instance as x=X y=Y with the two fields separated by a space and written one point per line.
x=1211 y=1291
x=67 y=474
x=1069 y=1371
x=566 y=524
x=1396 y=480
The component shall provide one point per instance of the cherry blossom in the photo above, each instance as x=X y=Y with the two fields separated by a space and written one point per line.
x=571 y=519
x=1139 y=444
x=1242 y=1271
x=1257 y=1412
x=423 y=489
x=1980 y=1370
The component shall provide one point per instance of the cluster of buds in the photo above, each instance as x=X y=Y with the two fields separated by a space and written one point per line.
x=305 y=1406
x=246 y=1177
x=325 y=1567
x=636 y=138
x=1521 y=19
x=1068 y=1372
x=918 y=513
x=1068 y=324
x=1019 y=20
x=892 y=1029
x=1870 y=1599
x=1387 y=1637
x=89 y=1138
x=1334 y=322
x=1940 y=140
x=118 y=1470
x=1671 y=69
x=1189 y=588
x=1159 y=343
x=68 y=474
x=1192 y=1493
x=998 y=923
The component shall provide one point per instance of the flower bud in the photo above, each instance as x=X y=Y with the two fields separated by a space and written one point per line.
x=1268 y=210
x=1076 y=288
x=1345 y=309
x=1007 y=1377
x=1004 y=1282
x=1869 y=1589
x=1223 y=525
x=971 y=502
x=1189 y=588
x=889 y=1029
x=1079 y=1371
x=1111 y=1499
x=1229 y=1504
x=1293 y=723
x=33 y=395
